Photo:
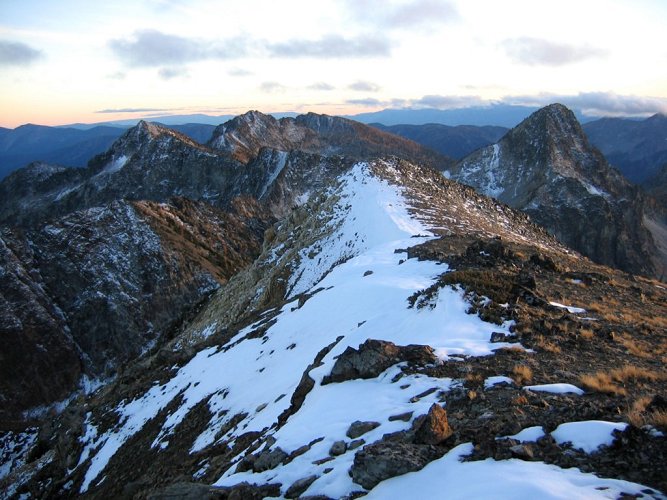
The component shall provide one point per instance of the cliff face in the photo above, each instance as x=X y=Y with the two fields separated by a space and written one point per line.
x=547 y=168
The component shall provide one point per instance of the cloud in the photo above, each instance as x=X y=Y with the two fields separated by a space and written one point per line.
x=332 y=47
x=239 y=72
x=599 y=103
x=448 y=101
x=389 y=15
x=169 y=73
x=134 y=110
x=272 y=87
x=540 y=52
x=364 y=86
x=421 y=13
x=18 y=54
x=151 y=48
x=323 y=86
x=369 y=101
x=385 y=103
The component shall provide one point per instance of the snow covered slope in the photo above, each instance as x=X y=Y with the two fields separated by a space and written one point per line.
x=291 y=385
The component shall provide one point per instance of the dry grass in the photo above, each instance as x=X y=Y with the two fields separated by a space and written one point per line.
x=520 y=400
x=634 y=373
x=601 y=382
x=633 y=347
x=472 y=395
x=607 y=382
x=638 y=416
x=658 y=419
x=546 y=345
x=474 y=379
x=586 y=334
x=521 y=374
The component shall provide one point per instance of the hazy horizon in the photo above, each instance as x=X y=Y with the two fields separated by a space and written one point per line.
x=79 y=62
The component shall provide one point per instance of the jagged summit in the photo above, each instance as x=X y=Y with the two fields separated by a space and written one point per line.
x=245 y=135
x=145 y=131
x=546 y=167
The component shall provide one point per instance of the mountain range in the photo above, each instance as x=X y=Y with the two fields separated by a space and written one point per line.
x=307 y=307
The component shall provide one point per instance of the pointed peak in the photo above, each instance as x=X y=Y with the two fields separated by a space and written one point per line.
x=552 y=122
x=150 y=128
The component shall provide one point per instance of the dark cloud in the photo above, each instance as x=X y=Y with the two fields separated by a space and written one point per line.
x=134 y=110
x=169 y=73
x=364 y=86
x=150 y=48
x=332 y=47
x=540 y=52
x=272 y=87
x=18 y=54
x=321 y=86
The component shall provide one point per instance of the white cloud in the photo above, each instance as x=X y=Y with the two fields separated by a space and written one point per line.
x=537 y=51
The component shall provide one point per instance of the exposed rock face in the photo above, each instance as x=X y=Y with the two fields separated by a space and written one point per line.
x=39 y=361
x=547 y=168
x=97 y=287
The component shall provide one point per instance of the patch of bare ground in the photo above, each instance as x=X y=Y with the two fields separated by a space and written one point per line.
x=615 y=351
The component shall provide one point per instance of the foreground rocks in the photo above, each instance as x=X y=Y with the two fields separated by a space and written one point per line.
x=375 y=356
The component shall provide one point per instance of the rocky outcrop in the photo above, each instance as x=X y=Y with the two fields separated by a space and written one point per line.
x=546 y=167
x=375 y=356
x=379 y=461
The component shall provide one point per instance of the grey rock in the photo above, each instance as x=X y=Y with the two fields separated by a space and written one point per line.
x=299 y=486
x=269 y=459
x=359 y=428
x=375 y=356
x=379 y=461
x=338 y=448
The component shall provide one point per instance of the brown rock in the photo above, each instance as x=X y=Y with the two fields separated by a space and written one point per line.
x=434 y=427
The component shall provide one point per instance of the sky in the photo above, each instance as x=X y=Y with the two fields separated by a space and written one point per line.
x=71 y=61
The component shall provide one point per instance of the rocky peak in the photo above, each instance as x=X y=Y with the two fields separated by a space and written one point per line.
x=245 y=135
x=546 y=167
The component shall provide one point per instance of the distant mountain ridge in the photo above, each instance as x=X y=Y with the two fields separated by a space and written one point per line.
x=455 y=142
x=637 y=148
x=69 y=146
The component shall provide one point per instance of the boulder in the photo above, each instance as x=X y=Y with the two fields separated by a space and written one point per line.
x=379 y=461
x=300 y=486
x=359 y=428
x=433 y=428
x=375 y=356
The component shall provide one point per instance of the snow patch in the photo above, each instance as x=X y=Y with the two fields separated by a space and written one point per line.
x=500 y=480
x=555 y=389
x=570 y=309
x=587 y=435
